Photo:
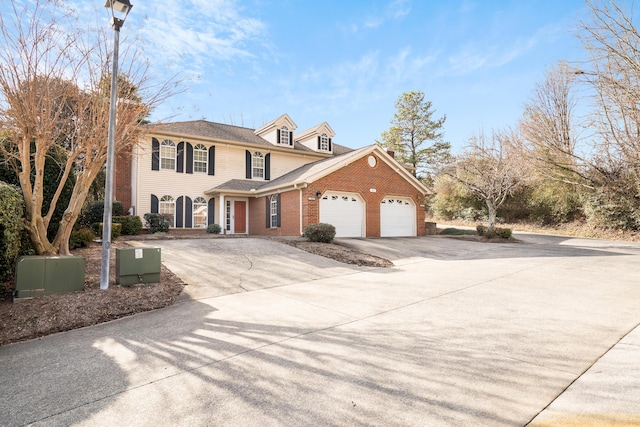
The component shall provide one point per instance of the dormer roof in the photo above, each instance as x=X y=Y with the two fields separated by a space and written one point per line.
x=316 y=130
x=283 y=120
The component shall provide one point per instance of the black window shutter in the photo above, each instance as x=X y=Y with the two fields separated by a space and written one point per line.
x=211 y=211
x=291 y=138
x=319 y=143
x=189 y=158
x=179 y=211
x=154 y=204
x=188 y=213
x=278 y=210
x=268 y=200
x=180 y=158
x=267 y=167
x=212 y=161
x=248 y=164
x=278 y=137
x=155 y=154
x=330 y=144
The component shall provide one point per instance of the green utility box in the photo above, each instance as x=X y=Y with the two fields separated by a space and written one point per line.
x=46 y=275
x=137 y=265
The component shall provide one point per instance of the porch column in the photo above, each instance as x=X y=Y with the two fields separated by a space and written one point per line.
x=223 y=220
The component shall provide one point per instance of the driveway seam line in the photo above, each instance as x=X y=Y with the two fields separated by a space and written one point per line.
x=582 y=374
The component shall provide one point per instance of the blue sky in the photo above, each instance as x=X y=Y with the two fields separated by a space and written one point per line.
x=246 y=62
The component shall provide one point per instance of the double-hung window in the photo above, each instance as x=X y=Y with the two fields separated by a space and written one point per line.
x=167 y=155
x=284 y=135
x=274 y=211
x=257 y=165
x=168 y=208
x=200 y=158
x=199 y=212
x=324 y=142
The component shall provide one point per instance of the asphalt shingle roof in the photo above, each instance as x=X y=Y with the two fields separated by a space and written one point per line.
x=206 y=129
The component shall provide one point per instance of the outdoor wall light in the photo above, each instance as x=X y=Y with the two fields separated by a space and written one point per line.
x=318 y=193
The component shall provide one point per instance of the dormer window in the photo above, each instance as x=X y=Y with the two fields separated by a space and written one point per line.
x=257 y=165
x=324 y=142
x=285 y=136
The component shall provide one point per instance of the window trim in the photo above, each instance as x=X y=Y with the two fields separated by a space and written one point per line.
x=164 y=146
x=165 y=201
x=199 y=202
x=273 y=211
x=284 y=136
x=257 y=156
x=202 y=150
x=324 y=142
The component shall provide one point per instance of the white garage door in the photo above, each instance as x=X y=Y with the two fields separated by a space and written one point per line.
x=345 y=212
x=397 y=217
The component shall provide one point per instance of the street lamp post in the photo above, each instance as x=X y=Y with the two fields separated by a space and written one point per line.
x=119 y=11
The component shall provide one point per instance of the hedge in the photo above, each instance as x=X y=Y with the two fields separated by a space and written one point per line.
x=11 y=226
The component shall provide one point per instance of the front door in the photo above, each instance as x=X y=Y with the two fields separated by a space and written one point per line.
x=239 y=217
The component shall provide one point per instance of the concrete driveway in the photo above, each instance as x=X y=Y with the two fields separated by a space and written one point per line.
x=458 y=333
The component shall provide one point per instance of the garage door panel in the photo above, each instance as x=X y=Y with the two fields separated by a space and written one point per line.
x=397 y=217
x=345 y=212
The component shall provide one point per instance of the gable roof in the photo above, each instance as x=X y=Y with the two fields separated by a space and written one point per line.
x=318 y=129
x=230 y=133
x=283 y=120
x=306 y=174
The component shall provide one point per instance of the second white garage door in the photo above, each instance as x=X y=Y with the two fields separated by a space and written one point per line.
x=345 y=212
x=397 y=217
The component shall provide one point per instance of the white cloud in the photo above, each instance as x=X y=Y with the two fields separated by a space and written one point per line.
x=395 y=10
x=194 y=34
x=498 y=53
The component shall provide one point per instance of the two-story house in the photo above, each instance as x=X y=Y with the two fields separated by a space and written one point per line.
x=268 y=181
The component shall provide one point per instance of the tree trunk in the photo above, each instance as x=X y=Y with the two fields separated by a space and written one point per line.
x=38 y=234
x=492 y=218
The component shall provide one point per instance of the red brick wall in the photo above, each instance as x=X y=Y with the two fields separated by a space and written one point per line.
x=359 y=177
x=122 y=179
x=289 y=213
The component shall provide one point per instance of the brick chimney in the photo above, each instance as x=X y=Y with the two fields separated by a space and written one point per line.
x=391 y=153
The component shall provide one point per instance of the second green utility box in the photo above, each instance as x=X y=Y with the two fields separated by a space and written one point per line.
x=137 y=265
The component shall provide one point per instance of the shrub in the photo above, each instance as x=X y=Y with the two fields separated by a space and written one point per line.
x=11 y=213
x=95 y=211
x=156 y=223
x=131 y=225
x=319 y=232
x=214 y=228
x=81 y=238
x=53 y=165
x=504 y=233
x=116 y=229
x=457 y=232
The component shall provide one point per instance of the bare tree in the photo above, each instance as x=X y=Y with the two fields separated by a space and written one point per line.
x=492 y=169
x=53 y=94
x=613 y=42
x=548 y=127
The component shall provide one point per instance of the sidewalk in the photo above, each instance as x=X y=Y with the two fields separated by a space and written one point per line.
x=607 y=394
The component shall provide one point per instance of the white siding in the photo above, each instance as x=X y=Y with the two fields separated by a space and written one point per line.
x=229 y=164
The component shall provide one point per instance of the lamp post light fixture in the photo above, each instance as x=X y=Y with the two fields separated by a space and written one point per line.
x=119 y=11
